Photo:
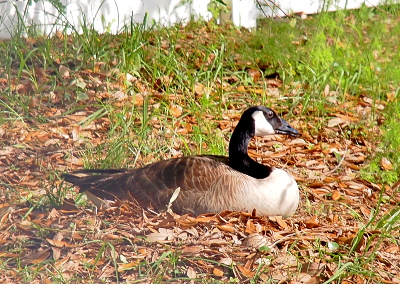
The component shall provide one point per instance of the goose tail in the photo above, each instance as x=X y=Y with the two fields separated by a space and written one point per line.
x=101 y=182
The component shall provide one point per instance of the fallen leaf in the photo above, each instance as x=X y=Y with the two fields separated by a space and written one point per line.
x=392 y=249
x=336 y=195
x=281 y=222
x=5 y=210
x=128 y=266
x=36 y=257
x=254 y=73
x=255 y=240
x=162 y=236
x=60 y=244
x=162 y=83
x=298 y=142
x=386 y=164
x=176 y=110
x=53 y=214
x=226 y=261
x=245 y=271
x=226 y=228
x=218 y=272
x=312 y=222
x=191 y=273
x=337 y=121
x=192 y=249
x=64 y=71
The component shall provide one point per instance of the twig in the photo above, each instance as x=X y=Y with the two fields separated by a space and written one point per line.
x=341 y=160
x=274 y=5
x=285 y=238
x=376 y=7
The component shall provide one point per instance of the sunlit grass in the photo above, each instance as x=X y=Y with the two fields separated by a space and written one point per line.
x=388 y=147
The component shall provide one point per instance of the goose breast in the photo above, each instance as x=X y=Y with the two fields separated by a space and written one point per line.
x=278 y=194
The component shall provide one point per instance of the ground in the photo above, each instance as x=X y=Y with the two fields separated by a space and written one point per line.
x=344 y=231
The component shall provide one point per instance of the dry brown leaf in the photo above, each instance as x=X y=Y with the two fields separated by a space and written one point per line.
x=111 y=237
x=138 y=99
x=386 y=164
x=56 y=253
x=53 y=214
x=312 y=222
x=365 y=211
x=64 y=71
x=74 y=161
x=34 y=102
x=392 y=249
x=187 y=221
x=52 y=142
x=281 y=222
x=192 y=249
x=162 y=83
x=298 y=142
x=61 y=262
x=336 y=195
x=315 y=280
x=191 y=273
x=163 y=235
x=130 y=78
x=200 y=89
x=218 y=272
x=36 y=257
x=176 y=110
x=226 y=228
x=337 y=121
x=245 y=271
x=241 y=88
x=254 y=73
x=68 y=207
x=303 y=277
x=250 y=227
x=119 y=95
x=128 y=266
x=352 y=166
x=5 y=210
x=60 y=244
x=255 y=240
x=329 y=180
x=226 y=261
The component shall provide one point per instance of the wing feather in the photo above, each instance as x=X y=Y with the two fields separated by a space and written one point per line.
x=154 y=184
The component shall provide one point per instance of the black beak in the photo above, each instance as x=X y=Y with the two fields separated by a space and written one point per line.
x=286 y=129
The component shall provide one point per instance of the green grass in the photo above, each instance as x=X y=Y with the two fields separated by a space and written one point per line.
x=352 y=54
x=388 y=148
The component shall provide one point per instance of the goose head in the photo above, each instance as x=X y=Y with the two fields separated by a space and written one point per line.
x=265 y=121
x=255 y=121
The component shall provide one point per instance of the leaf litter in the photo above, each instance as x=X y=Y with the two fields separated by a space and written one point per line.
x=123 y=242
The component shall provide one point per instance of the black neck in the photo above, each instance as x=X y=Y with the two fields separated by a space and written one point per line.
x=238 y=157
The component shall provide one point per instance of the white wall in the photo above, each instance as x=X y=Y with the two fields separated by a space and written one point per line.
x=315 y=6
x=116 y=13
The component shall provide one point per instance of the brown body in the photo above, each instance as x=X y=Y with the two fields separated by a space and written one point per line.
x=152 y=186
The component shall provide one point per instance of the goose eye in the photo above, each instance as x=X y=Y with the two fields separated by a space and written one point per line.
x=270 y=114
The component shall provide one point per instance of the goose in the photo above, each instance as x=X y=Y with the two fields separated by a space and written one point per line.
x=208 y=183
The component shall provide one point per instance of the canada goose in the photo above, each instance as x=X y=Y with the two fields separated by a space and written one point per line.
x=207 y=183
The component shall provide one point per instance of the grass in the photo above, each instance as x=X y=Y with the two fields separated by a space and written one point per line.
x=387 y=148
x=328 y=62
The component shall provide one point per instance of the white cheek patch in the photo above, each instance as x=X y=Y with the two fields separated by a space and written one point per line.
x=261 y=125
